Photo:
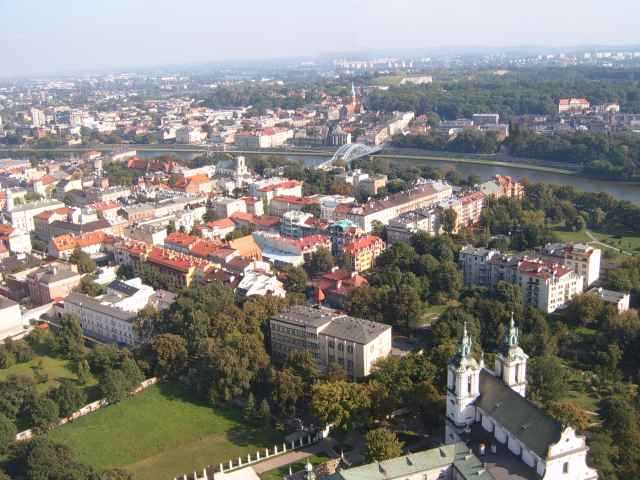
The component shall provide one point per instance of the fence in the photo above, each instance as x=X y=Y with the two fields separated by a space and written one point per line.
x=277 y=450
x=87 y=409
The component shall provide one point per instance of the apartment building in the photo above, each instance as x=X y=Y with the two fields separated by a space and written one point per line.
x=420 y=196
x=21 y=217
x=362 y=252
x=331 y=337
x=110 y=317
x=284 y=203
x=548 y=286
x=224 y=207
x=402 y=228
x=52 y=282
x=581 y=258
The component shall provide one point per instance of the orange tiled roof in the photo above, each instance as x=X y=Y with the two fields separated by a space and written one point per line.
x=362 y=243
x=182 y=239
x=71 y=242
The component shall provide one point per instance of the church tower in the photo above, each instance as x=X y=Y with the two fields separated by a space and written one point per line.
x=463 y=388
x=511 y=361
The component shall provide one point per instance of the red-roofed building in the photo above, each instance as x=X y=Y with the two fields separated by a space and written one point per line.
x=547 y=285
x=195 y=184
x=91 y=243
x=218 y=229
x=573 y=105
x=292 y=188
x=179 y=269
x=253 y=222
x=363 y=251
x=180 y=242
x=335 y=288
x=265 y=138
x=283 y=203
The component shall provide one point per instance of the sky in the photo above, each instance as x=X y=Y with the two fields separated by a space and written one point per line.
x=54 y=36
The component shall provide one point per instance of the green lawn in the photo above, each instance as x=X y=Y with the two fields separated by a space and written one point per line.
x=569 y=236
x=159 y=434
x=56 y=369
x=628 y=243
x=279 y=473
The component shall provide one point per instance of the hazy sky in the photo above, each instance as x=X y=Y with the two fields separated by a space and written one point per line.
x=62 y=35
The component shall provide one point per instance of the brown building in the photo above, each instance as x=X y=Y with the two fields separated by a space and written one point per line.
x=51 y=282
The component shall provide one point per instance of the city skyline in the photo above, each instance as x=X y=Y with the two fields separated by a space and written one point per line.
x=40 y=37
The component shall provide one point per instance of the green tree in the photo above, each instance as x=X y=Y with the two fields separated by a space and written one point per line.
x=547 y=378
x=321 y=261
x=264 y=413
x=114 y=386
x=69 y=337
x=249 y=411
x=117 y=474
x=69 y=398
x=449 y=219
x=288 y=389
x=341 y=404
x=169 y=354
x=84 y=262
x=7 y=433
x=295 y=280
x=568 y=413
x=44 y=413
x=82 y=371
x=382 y=444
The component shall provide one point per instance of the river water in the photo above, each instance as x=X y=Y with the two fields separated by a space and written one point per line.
x=619 y=190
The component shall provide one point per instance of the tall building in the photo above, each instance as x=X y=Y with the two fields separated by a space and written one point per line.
x=492 y=404
x=331 y=337
x=38 y=118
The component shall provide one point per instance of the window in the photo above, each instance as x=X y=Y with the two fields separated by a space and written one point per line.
x=332 y=344
x=340 y=347
x=565 y=467
x=349 y=348
x=517 y=373
x=469 y=382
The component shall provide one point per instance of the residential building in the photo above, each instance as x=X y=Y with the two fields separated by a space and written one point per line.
x=331 y=337
x=573 y=105
x=362 y=252
x=52 y=282
x=282 y=251
x=93 y=244
x=15 y=240
x=275 y=187
x=619 y=300
x=581 y=258
x=404 y=227
x=493 y=405
x=216 y=230
x=284 y=203
x=485 y=119
x=548 y=286
x=111 y=317
x=225 y=207
x=271 y=137
x=21 y=217
x=372 y=185
x=297 y=224
x=502 y=186
x=261 y=283
x=11 y=322
x=334 y=288
x=420 y=196
x=342 y=233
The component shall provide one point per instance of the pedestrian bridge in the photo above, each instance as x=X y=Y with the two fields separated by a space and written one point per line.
x=350 y=152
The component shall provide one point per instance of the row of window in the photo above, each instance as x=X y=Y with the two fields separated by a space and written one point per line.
x=332 y=345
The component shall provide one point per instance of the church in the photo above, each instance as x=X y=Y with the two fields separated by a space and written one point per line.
x=491 y=405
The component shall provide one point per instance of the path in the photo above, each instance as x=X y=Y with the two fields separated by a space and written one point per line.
x=595 y=241
x=291 y=457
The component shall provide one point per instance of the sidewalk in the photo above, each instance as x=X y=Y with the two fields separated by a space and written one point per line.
x=291 y=457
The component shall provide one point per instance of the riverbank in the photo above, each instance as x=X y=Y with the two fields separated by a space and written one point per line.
x=477 y=161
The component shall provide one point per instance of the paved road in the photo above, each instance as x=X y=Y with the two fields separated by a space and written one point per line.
x=291 y=457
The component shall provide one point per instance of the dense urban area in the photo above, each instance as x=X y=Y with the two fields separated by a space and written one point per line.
x=279 y=272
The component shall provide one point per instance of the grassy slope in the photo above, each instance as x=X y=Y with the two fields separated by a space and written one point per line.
x=159 y=434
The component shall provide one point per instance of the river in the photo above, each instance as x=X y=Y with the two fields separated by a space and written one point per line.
x=619 y=190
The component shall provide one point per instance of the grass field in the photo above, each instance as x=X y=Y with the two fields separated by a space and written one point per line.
x=279 y=473
x=627 y=243
x=55 y=368
x=159 y=434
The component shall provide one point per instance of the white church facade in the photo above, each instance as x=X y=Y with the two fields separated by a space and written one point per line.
x=495 y=401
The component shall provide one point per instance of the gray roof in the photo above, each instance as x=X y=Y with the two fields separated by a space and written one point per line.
x=94 y=304
x=6 y=303
x=307 y=316
x=120 y=286
x=458 y=455
x=533 y=427
x=354 y=329
x=48 y=276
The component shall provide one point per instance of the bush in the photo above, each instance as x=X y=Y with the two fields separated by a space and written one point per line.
x=7 y=358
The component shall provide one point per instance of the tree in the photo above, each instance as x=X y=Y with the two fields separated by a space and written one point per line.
x=132 y=373
x=117 y=474
x=69 y=398
x=82 y=371
x=249 y=411
x=126 y=272
x=288 y=389
x=568 y=413
x=169 y=354
x=321 y=261
x=547 y=378
x=114 y=386
x=84 y=262
x=449 y=219
x=264 y=413
x=585 y=309
x=295 y=279
x=7 y=433
x=89 y=287
x=44 y=413
x=69 y=337
x=341 y=404
x=382 y=444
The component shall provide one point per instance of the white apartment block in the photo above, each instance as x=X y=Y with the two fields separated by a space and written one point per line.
x=354 y=343
x=110 y=317
x=581 y=258
x=548 y=286
x=21 y=217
